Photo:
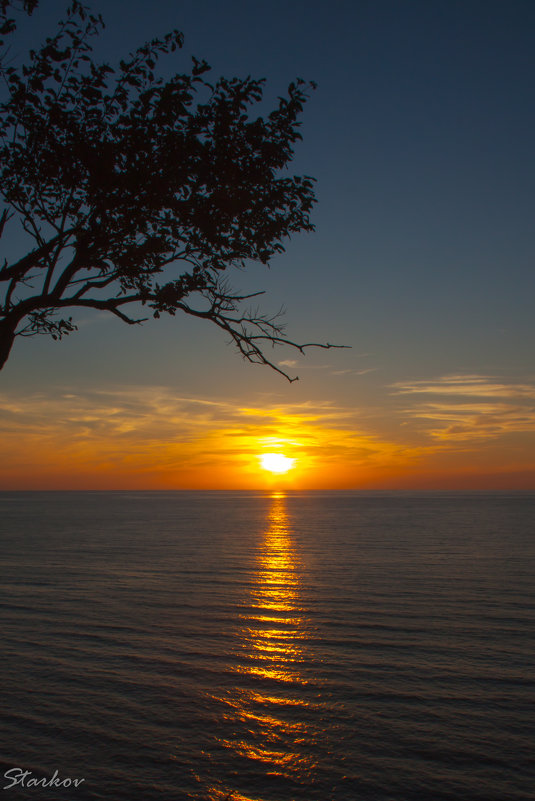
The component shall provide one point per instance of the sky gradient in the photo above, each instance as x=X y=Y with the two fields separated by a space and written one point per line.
x=420 y=135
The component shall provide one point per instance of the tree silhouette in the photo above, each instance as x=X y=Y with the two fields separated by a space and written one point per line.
x=8 y=24
x=139 y=192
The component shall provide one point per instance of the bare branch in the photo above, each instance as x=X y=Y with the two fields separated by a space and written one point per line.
x=92 y=285
x=3 y=219
x=251 y=330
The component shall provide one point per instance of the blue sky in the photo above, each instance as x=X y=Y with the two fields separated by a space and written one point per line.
x=420 y=135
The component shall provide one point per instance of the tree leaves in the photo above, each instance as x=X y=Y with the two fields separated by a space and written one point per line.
x=120 y=177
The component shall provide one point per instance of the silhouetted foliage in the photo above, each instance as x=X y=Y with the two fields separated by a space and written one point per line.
x=7 y=23
x=137 y=190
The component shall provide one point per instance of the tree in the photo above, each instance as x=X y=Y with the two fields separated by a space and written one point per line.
x=139 y=192
x=8 y=24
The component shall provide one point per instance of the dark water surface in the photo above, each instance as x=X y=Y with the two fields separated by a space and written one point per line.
x=307 y=647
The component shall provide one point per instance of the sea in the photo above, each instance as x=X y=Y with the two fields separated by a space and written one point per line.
x=267 y=646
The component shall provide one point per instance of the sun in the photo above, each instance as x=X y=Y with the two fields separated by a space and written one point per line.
x=276 y=462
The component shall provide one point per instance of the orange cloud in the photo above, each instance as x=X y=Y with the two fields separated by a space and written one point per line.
x=471 y=407
x=152 y=438
x=148 y=437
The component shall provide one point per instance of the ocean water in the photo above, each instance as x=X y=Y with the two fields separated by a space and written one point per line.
x=268 y=647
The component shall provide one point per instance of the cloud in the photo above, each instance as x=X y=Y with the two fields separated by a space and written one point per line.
x=470 y=407
x=464 y=386
x=140 y=429
x=355 y=372
x=152 y=437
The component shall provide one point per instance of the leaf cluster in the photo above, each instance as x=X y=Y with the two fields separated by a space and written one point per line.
x=8 y=24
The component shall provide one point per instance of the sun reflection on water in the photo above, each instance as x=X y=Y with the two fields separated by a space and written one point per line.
x=273 y=628
x=263 y=715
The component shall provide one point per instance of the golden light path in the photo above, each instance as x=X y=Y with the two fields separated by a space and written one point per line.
x=264 y=727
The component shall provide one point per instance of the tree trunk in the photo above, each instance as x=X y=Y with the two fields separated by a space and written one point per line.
x=7 y=337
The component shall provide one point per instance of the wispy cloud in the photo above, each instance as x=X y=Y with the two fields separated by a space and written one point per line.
x=355 y=372
x=288 y=363
x=152 y=429
x=152 y=436
x=466 y=385
x=470 y=407
x=302 y=365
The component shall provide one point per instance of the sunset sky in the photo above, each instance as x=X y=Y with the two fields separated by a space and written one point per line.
x=420 y=135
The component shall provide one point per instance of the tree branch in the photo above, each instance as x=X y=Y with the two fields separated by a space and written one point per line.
x=21 y=267
x=242 y=331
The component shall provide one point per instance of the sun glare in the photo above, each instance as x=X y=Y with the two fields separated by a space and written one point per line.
x=276 y=462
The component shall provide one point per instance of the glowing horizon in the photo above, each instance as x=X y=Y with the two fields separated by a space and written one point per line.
x=146 y=438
